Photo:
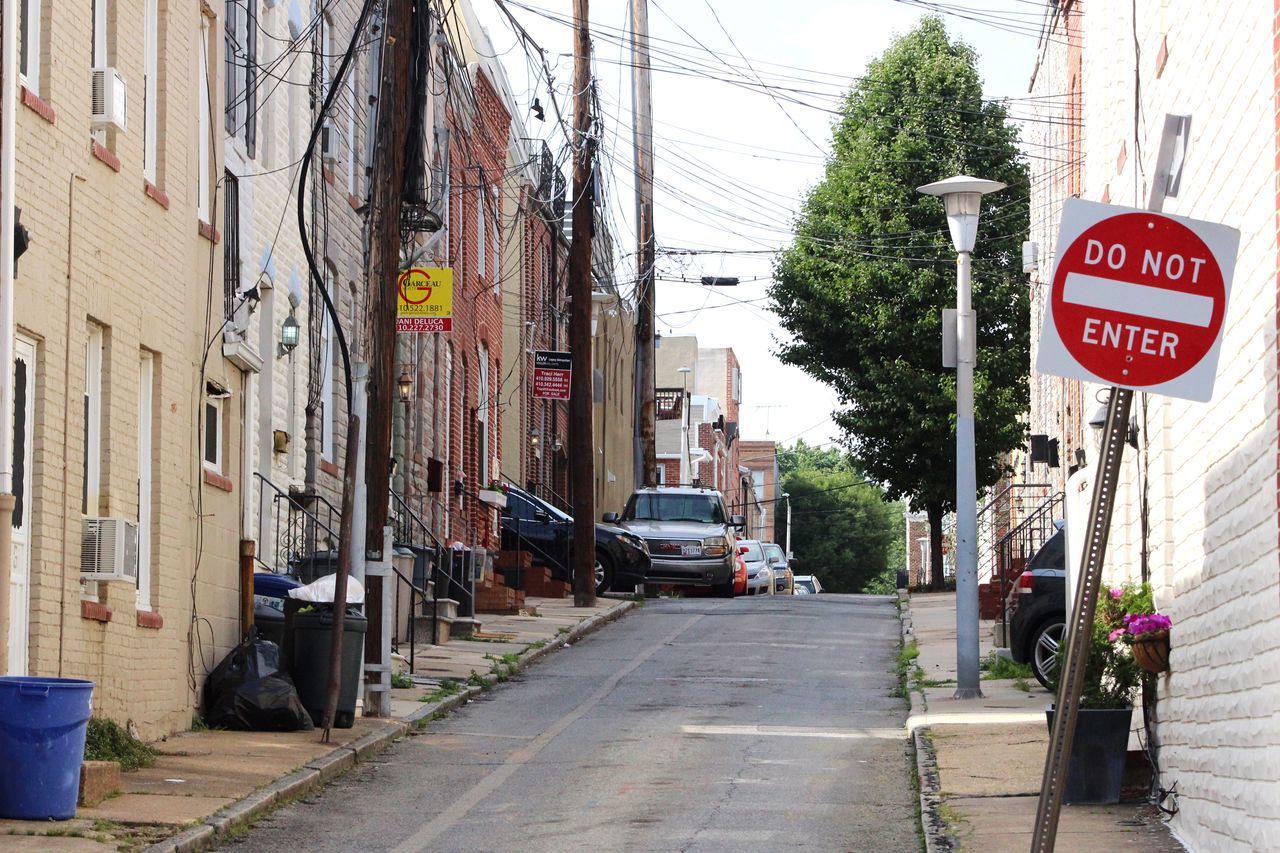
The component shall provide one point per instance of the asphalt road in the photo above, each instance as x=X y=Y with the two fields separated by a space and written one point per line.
x=691 y=725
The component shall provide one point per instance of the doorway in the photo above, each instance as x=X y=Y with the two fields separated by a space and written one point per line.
x=23 y=462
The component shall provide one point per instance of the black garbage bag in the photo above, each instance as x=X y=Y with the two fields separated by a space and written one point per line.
x=248 y=691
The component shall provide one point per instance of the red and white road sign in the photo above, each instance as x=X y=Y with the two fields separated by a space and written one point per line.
x=1138 y=300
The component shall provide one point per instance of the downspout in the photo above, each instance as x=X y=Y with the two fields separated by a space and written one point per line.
x=8 y=122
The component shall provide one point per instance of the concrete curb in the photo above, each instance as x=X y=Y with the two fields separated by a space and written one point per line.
x=932 y=824
x=320 y=771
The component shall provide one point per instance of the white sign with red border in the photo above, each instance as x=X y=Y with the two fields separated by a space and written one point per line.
x=1138 y=300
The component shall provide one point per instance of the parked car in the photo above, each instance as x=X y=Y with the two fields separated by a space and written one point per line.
x=784 y=578
x=740 y=577
x=759 y=572
x=1036 y=608
x=531 y=524
x=691 y=536
x=807 y=585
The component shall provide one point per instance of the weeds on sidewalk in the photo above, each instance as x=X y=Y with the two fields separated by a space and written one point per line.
x=994 y=667
x=401 y=680
x=907 y=669
x=106 y=740
x=444 y=691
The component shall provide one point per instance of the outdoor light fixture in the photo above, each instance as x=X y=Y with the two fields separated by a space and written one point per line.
x=962 y=198
x=405 y=385
x=535 y=436
x=290 y=331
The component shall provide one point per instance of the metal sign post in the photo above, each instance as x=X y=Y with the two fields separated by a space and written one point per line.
x=1081 y=628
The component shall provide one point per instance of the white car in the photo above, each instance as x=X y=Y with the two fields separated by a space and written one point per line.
x=759 y=572
x=807 y=585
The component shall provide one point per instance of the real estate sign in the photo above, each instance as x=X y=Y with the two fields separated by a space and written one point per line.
x=551 y=374
x=424 y=300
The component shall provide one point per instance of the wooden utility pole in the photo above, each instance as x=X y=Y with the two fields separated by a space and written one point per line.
x=581 y=415
x=390 y=132
x=646 y=452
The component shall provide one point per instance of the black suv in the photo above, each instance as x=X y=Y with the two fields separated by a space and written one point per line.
x=531 y=524
x=1037 y=608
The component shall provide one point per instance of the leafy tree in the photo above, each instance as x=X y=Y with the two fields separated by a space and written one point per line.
x=842 y=530
x=803 y=455
x=862 y=288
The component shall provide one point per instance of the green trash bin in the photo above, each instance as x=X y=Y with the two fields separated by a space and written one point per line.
x=309 y=646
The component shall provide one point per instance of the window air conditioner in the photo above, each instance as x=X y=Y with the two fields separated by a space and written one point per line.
x=110 y=98
x=109 y=550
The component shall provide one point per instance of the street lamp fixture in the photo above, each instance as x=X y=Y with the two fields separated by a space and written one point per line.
x=405 y=385
x=290 y=331
x=962 y=199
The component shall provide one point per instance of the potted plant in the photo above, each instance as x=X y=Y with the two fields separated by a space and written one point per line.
x=495 y=496
x=1111 y=675
x=1148 y=634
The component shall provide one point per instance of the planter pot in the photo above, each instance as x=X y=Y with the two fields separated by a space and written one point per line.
x=1151 y=651
x=1096 y=767
x=494 y=498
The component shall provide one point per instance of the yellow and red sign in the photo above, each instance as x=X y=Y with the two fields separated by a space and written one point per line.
x=424 y=300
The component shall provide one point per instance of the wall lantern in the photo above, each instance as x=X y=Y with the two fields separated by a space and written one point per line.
x=405 y=385
x=290 y=331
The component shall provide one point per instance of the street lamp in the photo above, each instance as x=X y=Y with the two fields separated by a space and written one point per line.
x=786 y=497
x=290 y=331
x=405 y=385
x=962 y=198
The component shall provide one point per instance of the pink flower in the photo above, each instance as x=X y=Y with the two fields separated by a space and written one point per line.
x=1115 y=635
x=1116 y=592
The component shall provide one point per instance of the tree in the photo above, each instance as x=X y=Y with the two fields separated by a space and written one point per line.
x=803 y=455
x=842 y=530
x=862 y=288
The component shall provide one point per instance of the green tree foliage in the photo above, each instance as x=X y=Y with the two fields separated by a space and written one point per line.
x=842 y=530
x=803 y=455
x=862 y=288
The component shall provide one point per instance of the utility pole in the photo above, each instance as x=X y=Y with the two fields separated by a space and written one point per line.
x=646 y=455
x=384 y=267
x=581 y=416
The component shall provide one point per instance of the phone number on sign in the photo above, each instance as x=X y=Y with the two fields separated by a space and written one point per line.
x=424 y=324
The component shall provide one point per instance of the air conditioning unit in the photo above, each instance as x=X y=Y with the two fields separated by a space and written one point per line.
x=109 y=550
x=328 y=142
x=110 y=98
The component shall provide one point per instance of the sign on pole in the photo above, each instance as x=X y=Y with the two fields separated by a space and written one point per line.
x=1138 y=300
x=551 y=373
x=424 y=300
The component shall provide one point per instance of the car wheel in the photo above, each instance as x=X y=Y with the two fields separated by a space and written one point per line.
x=604 y=573
x=723 y=590
x=1044 y=650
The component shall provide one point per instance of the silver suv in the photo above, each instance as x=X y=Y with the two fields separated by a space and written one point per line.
x=690 y=534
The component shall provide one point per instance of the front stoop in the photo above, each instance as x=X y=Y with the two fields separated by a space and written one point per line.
x=493 y=596
x=464 y=627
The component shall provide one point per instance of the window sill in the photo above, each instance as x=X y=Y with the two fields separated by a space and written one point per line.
x=94 y=611
x=329 y=177
x=213 y=478
x=156 y=194
x=39 y=106
x=104 y=154
x=329 y=467
x=353 y=201
x=208 y=232
x=150 y=619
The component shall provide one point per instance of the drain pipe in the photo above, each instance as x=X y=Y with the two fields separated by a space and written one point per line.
x=8 y=120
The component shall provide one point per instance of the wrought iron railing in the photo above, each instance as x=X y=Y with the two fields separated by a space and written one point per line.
x=1019 y=544
x=300 y=526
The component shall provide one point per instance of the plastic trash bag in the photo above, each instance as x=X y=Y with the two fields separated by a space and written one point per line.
x=320 y=591
x=248 y=691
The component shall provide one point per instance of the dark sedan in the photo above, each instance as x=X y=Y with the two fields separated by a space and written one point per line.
x=1037 y=608
x=531 y=524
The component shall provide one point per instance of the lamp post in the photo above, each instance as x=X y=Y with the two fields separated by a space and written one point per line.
x=686 y=473
x=787 y=498
x=962 y=198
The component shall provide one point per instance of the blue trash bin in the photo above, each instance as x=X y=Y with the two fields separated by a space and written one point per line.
x=42 y=729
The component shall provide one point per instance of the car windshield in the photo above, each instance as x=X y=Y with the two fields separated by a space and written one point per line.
x=1052 y=554
x=775 y=554
x=655 y=506
x=807 y=585
x=753 y=554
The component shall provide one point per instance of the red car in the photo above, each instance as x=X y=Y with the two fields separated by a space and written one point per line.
x=740 y=577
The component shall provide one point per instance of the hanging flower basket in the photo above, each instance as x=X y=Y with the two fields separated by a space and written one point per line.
x=1151 y=651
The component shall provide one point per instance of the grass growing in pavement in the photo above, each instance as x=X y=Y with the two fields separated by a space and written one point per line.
x=401 y=680
x=106 y=740
x=935 y=682
x=1022 y=684
x=907 y=669
x=445 y=690
x=995 y=667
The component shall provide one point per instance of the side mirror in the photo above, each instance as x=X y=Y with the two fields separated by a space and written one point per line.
x=610 y=518
x=738 y=521
x=792 y=562
x=742 y=549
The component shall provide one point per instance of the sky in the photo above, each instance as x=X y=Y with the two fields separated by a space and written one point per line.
x=733 y=157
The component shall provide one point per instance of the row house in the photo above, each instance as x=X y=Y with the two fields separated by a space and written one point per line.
x=1196 y=513
x=764 y=504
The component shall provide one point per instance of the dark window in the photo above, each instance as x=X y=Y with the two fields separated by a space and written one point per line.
x=211 y=415
x=19 y=439
x=231 y=245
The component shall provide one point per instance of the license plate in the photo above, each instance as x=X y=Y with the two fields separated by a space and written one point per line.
x=691 y=550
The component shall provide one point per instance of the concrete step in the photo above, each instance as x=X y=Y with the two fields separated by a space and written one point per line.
x=444 y=625
x=464 y=627
x=445 y=607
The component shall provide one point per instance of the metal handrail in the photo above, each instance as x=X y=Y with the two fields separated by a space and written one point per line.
x=410 y=522
x=301 y=528
x=1031 y=533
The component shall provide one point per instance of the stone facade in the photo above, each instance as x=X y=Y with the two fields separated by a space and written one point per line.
x=1210 y=544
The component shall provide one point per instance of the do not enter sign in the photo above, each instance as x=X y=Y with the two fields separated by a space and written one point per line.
x=1138 y=300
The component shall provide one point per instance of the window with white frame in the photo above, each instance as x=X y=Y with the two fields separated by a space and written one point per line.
x=327 y=353
x=351 y=139
x=496 y=198
x=203 y=143
x=146 y=378
x=29 y=12
x=150 y=75
x=214 y=417
x=737 y=385
x=480 y=231
x=240 y=33
x=482 y=415
x=92 y=425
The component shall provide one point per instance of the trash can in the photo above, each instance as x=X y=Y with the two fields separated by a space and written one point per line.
x=269 y=593
x=315 y=566
x=309 y=662
x=42 y=729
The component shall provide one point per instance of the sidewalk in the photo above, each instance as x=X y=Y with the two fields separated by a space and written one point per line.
x=206 y=785
x=981 y=761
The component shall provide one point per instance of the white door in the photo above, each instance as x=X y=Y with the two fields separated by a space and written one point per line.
x=23 y=461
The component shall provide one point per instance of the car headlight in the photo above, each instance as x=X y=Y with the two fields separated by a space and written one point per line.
x=715 y=546
x=635 y=541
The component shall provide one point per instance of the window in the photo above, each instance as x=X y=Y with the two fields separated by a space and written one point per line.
x=29 y=12
x=213 y=412
x=92 y=430
x=231 y=244
x=482 y=416
x=480 y=241
x=327 y=353
x=737 y=385
x=150 y=73
x=351 y=139
x=240 y=33
x=204 y=158
x=146 y=378
x=496 y=219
